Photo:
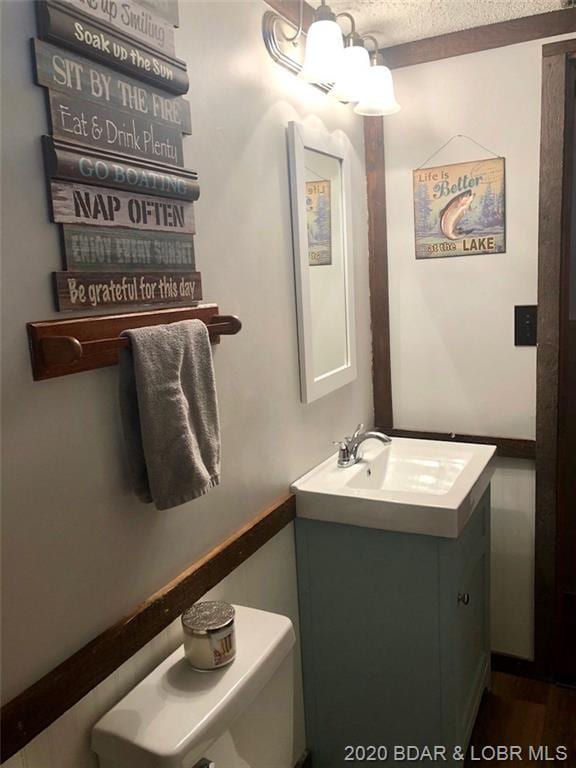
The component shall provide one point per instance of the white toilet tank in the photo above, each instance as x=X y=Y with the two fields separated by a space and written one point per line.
x=239 y=716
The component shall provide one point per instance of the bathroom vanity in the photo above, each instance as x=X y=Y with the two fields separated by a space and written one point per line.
x=393 y=570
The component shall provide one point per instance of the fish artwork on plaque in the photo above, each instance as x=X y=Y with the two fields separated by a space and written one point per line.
x=460 y=209
x=319 y=222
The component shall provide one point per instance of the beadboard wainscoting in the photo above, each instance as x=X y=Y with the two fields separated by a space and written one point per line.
x=66 y=743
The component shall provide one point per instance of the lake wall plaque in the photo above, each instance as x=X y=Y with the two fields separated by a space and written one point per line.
x=70 y=162
x=75 y=75
x=59 y=23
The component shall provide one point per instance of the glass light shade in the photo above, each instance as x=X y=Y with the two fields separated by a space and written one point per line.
x=354 y=65
x=378 y=94
x=324 y=48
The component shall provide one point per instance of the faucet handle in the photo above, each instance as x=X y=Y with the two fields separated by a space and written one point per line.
x=359 y=430
x=343 y=451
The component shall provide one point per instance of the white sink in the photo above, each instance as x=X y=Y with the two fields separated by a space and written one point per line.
x=414 y=486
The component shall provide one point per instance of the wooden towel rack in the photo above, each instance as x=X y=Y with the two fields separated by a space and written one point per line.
x=60 y=347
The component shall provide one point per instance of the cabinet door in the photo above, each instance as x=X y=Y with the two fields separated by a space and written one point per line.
x=471 y=651
x=370 y=641
x=465 y=595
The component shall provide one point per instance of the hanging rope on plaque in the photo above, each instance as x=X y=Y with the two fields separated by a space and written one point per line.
x=457 y=136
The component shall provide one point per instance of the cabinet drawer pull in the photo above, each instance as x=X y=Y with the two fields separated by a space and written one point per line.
x=464 y=598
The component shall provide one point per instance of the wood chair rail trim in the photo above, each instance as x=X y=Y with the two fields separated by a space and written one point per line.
x=37 y=707
x=508 y=447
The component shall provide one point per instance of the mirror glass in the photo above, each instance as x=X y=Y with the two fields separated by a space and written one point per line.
x=327 y=275
x=322 y=253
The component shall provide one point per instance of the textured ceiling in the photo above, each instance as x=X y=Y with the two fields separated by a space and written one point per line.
x=398 y=21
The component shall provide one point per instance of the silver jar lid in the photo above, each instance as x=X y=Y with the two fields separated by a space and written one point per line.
x=206 y=617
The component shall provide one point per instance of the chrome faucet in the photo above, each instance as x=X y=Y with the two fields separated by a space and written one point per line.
x=348 y=453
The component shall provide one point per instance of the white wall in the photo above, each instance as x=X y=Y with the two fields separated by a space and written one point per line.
x=80 y=550
x=454 y=364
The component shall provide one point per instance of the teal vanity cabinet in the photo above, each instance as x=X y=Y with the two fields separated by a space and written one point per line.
x=395 y=640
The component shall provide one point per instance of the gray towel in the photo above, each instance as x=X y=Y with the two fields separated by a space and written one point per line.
x=170 y=413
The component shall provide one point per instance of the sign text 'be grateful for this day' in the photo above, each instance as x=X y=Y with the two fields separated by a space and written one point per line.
x=97 y=290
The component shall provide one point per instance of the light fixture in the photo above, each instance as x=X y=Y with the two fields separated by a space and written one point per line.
x=324 y=47
x=354 y=64
x=337 y=64
x=378 y=88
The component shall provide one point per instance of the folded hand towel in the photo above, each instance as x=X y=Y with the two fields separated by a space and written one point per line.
x=170 y=413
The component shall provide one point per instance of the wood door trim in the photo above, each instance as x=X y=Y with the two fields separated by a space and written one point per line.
x=482 y=38
x=562 y=46
x=551 y=244
x=508 y=447
x=37 y=707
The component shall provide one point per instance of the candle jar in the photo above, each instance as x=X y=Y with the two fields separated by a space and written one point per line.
x=209 y=636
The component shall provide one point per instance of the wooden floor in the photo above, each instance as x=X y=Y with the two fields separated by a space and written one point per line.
x=525 y=713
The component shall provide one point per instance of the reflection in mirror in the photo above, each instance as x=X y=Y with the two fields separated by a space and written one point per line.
x=322 y=256
x=323 y=190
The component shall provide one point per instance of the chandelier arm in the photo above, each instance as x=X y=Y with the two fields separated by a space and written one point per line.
x=375 y=55
x=345 y=15
x=300 y=28
x=269 y=23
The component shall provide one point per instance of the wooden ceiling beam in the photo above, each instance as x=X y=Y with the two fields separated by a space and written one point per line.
x=482 y=38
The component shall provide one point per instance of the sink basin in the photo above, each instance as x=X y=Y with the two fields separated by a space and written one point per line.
x=415 y=486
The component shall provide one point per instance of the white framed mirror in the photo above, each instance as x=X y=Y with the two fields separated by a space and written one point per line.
x=323 y=259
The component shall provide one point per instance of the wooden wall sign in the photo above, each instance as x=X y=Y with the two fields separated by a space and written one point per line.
x=60 y=24
x=82 y=204
x=70 y=162
x=101 y=290
x=168 y=9
x=131 y=19
x=108 y=128
x=64 y=71
x=96 y=248
x=115 y=157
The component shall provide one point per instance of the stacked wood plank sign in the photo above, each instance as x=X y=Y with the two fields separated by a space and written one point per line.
x=114 y=160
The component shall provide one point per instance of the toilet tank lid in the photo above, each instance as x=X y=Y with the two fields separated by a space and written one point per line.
x=170 y=718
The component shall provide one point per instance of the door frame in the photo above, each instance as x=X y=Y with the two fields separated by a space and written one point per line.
x=553 y=251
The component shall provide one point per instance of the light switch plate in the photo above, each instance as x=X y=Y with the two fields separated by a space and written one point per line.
x=525 y=325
